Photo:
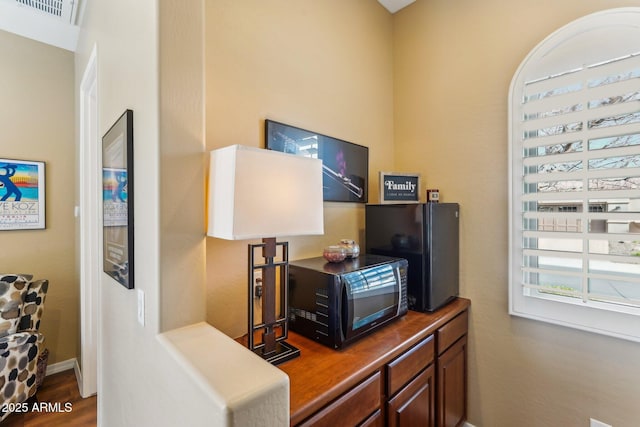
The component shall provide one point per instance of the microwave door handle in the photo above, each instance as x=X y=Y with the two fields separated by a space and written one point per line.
x=344 y=311
x=398 y=277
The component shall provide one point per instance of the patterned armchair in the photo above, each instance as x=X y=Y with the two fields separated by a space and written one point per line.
x=21 y=345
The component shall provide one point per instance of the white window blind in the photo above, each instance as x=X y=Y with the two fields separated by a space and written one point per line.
x=575 y=177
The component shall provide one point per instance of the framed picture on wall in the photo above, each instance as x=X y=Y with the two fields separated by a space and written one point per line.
x=399 y=187
x=22 y=191
x=117 y=200
x=345 y=165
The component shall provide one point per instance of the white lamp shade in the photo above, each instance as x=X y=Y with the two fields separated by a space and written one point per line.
x=256 y=193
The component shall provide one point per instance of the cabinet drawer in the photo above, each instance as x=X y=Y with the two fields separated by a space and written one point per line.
x=353 y=407
x=415 y=404
x=402 y=369
x=449 y=333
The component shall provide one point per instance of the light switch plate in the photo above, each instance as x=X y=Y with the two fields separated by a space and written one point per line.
x=141 y=307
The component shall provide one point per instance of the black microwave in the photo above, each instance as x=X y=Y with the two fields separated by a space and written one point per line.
x=338 y=303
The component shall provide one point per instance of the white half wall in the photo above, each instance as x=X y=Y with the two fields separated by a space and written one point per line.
x=243 y=389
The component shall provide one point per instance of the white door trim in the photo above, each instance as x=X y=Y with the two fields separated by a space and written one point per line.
x=90 y=227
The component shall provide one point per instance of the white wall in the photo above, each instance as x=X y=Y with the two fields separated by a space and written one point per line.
x=146 y=377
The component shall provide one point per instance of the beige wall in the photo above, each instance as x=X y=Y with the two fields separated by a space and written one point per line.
x=325 y=66
x=454 y=63
x=182 y=164
x=36 y=123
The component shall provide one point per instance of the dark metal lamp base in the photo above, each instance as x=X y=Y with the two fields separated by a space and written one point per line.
x=282 y=353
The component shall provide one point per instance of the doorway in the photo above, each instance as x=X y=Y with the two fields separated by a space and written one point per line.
x=90 y=228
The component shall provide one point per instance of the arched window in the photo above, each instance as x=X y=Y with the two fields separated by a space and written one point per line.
x=574 y=156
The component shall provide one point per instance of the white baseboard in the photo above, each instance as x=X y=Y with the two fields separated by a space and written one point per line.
x=65 y=365
x=467 y=424
x=76 y=369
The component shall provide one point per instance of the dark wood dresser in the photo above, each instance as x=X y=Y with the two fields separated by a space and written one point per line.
x=412 y=372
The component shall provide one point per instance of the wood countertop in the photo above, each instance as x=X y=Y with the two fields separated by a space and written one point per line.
x=322 y=374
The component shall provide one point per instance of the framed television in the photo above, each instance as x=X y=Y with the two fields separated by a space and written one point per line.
x=345 y=165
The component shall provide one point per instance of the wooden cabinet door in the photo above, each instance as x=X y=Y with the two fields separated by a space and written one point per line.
x=414 y=405
x=452 y=385
x=375 y=420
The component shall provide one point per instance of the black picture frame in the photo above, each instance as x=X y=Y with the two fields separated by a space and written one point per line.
x=117 y=201
x=345 y=165
x=399 y=187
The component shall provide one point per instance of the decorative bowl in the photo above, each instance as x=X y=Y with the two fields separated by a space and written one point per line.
x=334 y=253
x=352 y=248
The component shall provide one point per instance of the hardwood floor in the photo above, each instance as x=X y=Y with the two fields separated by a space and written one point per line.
x=60 y=405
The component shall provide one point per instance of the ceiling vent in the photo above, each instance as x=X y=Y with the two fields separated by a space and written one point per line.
x=51 y=7
x=64 y=10
x=49 y=21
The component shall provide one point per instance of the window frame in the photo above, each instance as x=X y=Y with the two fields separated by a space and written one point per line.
x=557 y=53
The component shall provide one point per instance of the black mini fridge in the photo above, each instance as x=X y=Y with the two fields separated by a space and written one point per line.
x=426 y=235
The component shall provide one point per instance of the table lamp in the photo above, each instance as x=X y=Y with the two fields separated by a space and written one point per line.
x=256 y=193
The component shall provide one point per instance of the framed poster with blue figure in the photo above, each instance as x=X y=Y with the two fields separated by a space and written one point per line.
x=21 y=195
x=117 y=200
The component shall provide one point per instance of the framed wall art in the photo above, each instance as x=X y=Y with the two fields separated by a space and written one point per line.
x=399 y=187
x=117 y=200
x=22 y=195
x=345 y=166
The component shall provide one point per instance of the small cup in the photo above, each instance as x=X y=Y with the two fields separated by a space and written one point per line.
x=433 y=195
